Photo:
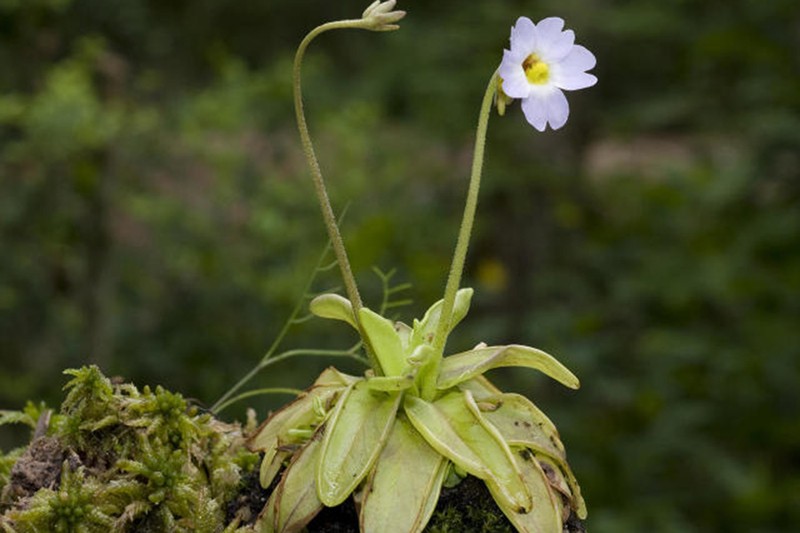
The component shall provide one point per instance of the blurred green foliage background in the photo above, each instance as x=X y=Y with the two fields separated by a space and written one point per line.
x=156 y=218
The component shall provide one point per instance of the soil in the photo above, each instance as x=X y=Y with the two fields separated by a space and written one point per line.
x=470 y=500
x=250 y=501
x=38 y=467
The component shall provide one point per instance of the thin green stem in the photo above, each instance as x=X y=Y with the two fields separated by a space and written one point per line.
x=352 y=353
x=256 y=392
x=351 y=288
x=284 y=330
x=226 y=400
x=462 y=244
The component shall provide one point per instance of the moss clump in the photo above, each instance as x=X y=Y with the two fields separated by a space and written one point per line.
x=468 y=508
x=116 y=458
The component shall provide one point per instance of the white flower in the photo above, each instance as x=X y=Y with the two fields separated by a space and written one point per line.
x=543 y=61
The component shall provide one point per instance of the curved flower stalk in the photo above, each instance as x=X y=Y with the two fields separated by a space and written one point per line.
x=379 y=16
x=392 y=440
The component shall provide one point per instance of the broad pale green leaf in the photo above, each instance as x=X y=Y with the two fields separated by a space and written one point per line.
x=294 y=502
x=404 y=331
x=453 y=426
x=557 y=482
x=331 y=377
x=270 y=469
x=466 y=365
x=427 y=373
x=425 y=329
x=301 y=413
x=480 y=387
x=545 y=515
x=384 y=340
x=401 y=493
x=439 y=432
x=390 y=383
x=521 y=423
x=354 y=436
x=333 y=306
x=577 y=501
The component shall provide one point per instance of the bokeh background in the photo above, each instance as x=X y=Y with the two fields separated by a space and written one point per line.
x=156 y=218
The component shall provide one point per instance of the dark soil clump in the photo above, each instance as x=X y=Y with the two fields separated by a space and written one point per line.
x=466 y=508
x=250 y=501
x=339 y=519
x=39 y=467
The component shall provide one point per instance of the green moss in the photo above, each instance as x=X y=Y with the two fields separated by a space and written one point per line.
x=73 y=507
x=129 y=460
x=468 y=507
x=7 y=461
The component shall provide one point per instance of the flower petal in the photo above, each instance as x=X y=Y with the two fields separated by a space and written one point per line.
x=555 y=49
x=515 y=84
x=549 y=29
x=557 y=109
x=578 y=59
x=535 y=112
x=523 y=35
x=572 y=81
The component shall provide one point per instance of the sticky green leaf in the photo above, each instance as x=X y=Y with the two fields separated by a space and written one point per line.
x=384 y=340
x=557 y=480
x=454 y=427
x=331 y=377
x=294 y=502
x=401 y=493
x=404 y=331
x=522 y=423
x=301 y=413
x=439 y=432
x=463 y=366
x=390 y=383
x=427 y=372
x=577 y=501
x=425 y=329
x=270 y=468
x=480 y=387
x=335 y=307
x=354 y=436
x=545 y=516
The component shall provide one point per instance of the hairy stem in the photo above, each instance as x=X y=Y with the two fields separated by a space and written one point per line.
x=316 y=174
x=319 y=184
x=462 y=244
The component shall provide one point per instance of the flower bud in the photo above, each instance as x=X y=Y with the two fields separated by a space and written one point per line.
x=501 y=99
x=380 y=17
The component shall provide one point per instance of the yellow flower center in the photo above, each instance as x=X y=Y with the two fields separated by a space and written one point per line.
x=536 y=70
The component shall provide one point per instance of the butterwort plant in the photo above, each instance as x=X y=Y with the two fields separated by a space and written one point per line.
x=418 y=420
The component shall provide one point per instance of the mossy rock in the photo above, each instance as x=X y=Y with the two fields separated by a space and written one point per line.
x=116 y=458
